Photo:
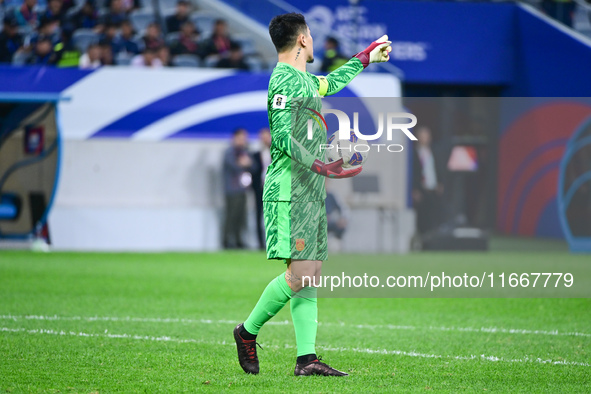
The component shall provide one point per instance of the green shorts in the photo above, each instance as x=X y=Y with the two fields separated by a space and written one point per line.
x=295 y=230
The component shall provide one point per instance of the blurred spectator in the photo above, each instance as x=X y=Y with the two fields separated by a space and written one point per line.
x=149 y=58
x=10 y=40
x=107 y=58
x=55 y=10
x=219 y=43
x=234 y=60
x=188 y=41
x=237 y=179
x=67 y=5
x=126 y=40
x=153 y=37
x=164 y=56
x=48 y=27
x=86 y=17
x=333 y=59
x=261 y=161
x=174 y=22
x=42 y=52
x=92 y=58
x=127 y=5
x=336 y=220
x=110 y=36
x=427 y=188
x=2 y=10
x=561 y=10
x=116 y=14
x=26 y=14
x=67 y=55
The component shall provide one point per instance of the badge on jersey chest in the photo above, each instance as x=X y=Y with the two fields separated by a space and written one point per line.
x=279 y=101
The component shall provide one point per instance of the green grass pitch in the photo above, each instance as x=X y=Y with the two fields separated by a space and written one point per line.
x=83 y=322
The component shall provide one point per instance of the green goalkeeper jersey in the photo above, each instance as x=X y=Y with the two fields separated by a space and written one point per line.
x=293 y=99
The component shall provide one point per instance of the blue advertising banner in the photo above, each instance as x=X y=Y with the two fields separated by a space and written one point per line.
x=432 y=42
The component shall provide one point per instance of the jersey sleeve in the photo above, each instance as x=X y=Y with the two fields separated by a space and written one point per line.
x=280 y=110
x=339 y=78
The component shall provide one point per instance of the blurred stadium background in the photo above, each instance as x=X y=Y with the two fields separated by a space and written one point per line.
x=114 y=119
x=129 y=157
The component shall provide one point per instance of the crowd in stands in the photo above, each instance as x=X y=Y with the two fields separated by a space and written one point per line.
x=69 y=33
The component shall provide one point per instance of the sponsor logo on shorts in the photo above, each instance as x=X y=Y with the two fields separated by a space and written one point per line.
x=300 y=244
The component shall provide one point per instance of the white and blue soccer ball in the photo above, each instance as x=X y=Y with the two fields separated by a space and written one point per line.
x=354 y=151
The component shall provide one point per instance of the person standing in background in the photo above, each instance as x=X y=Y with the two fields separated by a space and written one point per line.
x=261 y=159
x=219 y=43
x=175 y=22
x=10 y=39
x=27 y=14
x=237 y=168
x=336 y=220
x=333 y=58
x=426 y=186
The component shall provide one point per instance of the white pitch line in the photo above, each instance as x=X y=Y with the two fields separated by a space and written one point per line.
x=166 y=338
x=488 y=330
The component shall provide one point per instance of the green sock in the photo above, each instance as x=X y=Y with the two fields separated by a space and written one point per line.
x=304 y=313
x=274 y=297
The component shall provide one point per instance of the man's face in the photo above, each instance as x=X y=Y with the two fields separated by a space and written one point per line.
x=55 y=6
x=50 y=28
x=43 y=47
x=240 y=139
x=153 y=31
x=424 y=136
x=182 y=9
x=112 y=31
x=94 y=53
x=221 y=29
x=265 y=137
x=309 y=47
x=328 y=45
x=117 y=6
x=126 y=29
x=187 y=29
x=10 y=29
x=87 y=9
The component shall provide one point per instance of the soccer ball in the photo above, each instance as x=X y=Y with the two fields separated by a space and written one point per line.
x=353 y=151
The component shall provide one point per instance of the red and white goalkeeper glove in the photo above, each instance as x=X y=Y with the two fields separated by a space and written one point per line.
x=334 y=169
x=377 y=52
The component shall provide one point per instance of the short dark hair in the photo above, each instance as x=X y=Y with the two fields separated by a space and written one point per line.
x=332 y=40
x=284 y=30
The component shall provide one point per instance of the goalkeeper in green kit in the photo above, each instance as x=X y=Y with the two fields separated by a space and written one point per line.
x=294 y=193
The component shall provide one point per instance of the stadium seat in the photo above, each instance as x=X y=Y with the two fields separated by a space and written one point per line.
x=247 y=45
x=211 y=61
x=166 y=6
x=185 y=61
x=71 y=12
x=25 y=30
x=146 y=5
x=171 y=38
x=123 y=58
x=83 y=38
x=582 y=19
x=20 y=58
x=254 y=63
x=141 y=19
x=204 y=22
x=100 y=4
x=140 y=41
